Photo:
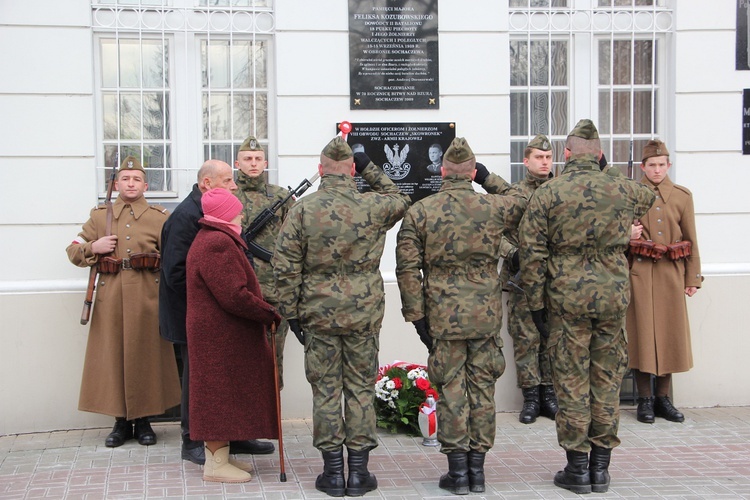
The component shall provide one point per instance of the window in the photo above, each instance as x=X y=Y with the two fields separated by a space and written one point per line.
x=135 y=100
x=179 y=82
x=234 y=95
x=618 y=79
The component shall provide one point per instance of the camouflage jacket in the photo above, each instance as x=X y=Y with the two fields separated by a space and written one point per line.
x=447 y=257
x=256 y=194
x=524 y=188
x=573 y=239
x=327 y=259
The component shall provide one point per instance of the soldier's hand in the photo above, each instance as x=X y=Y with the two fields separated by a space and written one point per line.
x=514 y=263
x=105 y=244
x=482 y=174
x=361 y=160
x=423 y=330
x=540 y=321
x=297 y=330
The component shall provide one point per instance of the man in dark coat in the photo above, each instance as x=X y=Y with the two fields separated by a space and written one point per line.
x=177 y=235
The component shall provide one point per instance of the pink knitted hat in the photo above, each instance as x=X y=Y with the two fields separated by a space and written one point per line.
x=221 y=204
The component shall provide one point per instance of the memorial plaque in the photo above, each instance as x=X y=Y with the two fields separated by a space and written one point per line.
x=411 y=154
x=746 y=122
x=393 y=54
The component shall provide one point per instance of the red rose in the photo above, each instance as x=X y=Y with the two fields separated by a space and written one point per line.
x=422 y=384
x=398 y=383
x=431 y=392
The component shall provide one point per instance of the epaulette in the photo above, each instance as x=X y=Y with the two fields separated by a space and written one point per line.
x=683 y=189
x=159 y=208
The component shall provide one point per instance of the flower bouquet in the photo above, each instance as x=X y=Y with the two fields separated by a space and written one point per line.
x=400 y=390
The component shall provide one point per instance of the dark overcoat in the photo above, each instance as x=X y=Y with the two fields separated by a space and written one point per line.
x=232 y=392
x=177 y=235
x=657 y=319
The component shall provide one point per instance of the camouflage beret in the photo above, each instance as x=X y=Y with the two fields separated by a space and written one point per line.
x=337 y=149
x=251 y=144
x=540 y=142
x=459 y=151
x=585 y=129
x=131 y=163
x=654 y=148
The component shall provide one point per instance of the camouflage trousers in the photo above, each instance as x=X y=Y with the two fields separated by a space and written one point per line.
x=589 y=358
x=529 y=348
x=281 y=332
x=345 y=366
x=465 y=372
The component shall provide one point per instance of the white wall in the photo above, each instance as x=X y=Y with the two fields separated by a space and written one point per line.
x=47 y=182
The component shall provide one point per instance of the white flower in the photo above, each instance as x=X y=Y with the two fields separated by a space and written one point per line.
x=416 y=373
x=390 y=385
x=391 y=404
x=394 y=394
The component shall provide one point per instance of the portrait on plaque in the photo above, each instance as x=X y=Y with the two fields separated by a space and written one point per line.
x=393 y=54
x=410 y=153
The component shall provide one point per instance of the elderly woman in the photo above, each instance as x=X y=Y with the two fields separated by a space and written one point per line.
x=232 y=392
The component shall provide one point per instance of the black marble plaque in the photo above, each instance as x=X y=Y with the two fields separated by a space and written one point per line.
x=746 y=122
x=393 y=54
x=409 y=153
x=742 y=55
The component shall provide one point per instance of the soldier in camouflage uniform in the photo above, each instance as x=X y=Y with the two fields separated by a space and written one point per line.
x=572 y=254
x=330 y=289
x=256 y=195
x=446 y=265
x=533 y=371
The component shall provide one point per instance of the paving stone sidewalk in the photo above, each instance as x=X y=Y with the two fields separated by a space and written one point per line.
x=707 y=456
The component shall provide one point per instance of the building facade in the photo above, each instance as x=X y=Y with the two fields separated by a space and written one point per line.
x=178 y=81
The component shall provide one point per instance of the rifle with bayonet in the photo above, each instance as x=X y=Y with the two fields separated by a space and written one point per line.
x=94 y=270
x=267 y=215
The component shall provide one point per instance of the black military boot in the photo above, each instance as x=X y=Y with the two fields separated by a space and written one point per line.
x=331 y=481
x=599 y=468
x=664 y=408
x=143 y=432
x=457 y=479
x=548 y=402
x=575 y=477
x=476 y=471
x=360 y=481
x=645 y=411
x=531 y=407
x=121 y=432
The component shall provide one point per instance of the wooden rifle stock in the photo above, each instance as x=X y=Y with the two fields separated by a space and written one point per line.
x=89 y=300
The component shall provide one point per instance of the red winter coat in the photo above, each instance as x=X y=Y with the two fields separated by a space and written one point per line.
x=232 y=393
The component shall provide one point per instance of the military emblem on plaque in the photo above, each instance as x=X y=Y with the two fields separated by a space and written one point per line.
x=396 y=167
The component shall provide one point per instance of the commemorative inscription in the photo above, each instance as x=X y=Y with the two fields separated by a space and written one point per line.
x=393 y=54
x=410 y=154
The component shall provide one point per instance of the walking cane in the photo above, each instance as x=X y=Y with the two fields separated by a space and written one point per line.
x=282 y=474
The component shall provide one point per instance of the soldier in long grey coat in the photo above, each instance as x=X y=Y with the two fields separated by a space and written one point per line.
x=573 y=239
x=446 y=264
x=327 y=269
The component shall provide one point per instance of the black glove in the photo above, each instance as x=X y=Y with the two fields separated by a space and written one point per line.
x=482 y=174
x=602 y=162
x=540 y=321
x=514 y=263
x=297 y=330
x=361 y=160
x=424 y=332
